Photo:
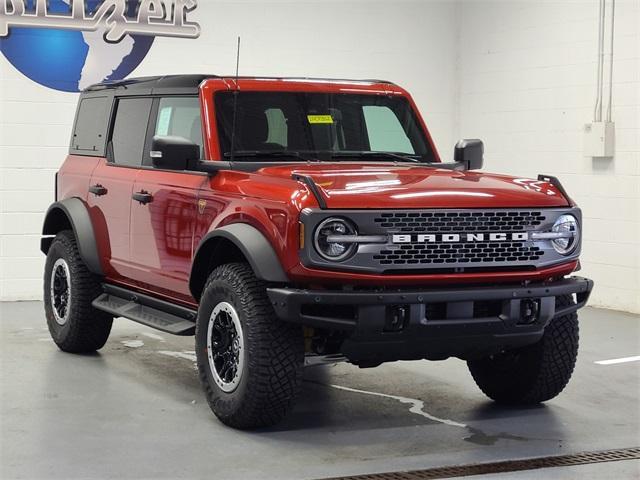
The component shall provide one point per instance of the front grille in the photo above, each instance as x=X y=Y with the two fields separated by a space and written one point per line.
x=443 y=240
x=468 y=222
x=443 y=253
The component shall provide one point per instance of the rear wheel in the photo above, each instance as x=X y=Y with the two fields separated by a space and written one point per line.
x=249 y=362
x=69 y=289
x=534 y=373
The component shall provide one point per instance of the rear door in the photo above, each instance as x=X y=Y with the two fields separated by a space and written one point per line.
x=111 y=185
x=163 y=220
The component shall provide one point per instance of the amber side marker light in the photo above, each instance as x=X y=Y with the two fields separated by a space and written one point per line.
x=301 y=239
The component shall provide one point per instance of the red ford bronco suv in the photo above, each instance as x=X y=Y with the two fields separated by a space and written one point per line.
x=286 y=222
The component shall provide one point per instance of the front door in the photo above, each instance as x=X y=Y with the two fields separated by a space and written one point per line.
x=164 y=214
x=112 y=182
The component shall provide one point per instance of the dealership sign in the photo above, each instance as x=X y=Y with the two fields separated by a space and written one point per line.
x=153 y=18
x=71 y=44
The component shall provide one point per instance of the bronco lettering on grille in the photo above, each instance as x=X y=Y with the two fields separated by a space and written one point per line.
x=460 y=237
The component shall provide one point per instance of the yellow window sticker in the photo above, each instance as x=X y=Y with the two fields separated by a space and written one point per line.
x=326 y=119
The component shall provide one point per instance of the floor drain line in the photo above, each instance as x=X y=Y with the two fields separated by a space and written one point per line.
x=505 y=466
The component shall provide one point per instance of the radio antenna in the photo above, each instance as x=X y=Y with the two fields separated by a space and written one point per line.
x=235 y=103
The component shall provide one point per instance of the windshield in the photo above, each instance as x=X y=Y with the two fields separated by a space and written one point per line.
x=305 y=125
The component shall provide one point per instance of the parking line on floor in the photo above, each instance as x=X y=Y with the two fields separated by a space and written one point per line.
x=614 y=361
x=152 y=335
x=417 y=406
x=186 y=354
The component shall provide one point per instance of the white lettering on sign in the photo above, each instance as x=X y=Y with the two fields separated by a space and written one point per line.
x=164 y=18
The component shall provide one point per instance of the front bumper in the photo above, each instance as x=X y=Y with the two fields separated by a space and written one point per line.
x=465 y=322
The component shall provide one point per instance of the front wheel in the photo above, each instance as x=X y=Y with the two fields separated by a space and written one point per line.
x=534 y=373
x=249 y=362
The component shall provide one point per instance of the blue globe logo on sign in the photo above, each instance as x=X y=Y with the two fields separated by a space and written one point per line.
x=71 y=58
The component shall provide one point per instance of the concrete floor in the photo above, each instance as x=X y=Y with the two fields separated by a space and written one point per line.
x=135 y=410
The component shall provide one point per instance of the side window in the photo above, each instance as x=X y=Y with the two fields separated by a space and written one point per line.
x=180 y=116
x=385 y=130
x=130 y=130
x=91 y=125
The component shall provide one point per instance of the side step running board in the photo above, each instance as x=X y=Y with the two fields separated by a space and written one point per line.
x=147 y=310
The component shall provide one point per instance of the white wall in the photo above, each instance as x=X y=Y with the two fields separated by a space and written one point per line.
x=412 y=43
x=518 y=74
x=527 y=87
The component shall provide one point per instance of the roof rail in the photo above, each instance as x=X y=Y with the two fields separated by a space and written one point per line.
x=194 y=80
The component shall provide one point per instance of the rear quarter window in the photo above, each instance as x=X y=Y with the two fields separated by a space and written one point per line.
x=90 y=127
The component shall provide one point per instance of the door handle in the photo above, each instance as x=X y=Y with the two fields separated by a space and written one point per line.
x=98 y=190
x=142 y=197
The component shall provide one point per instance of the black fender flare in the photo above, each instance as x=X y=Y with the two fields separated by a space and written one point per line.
x=254 y=246
x=72 y=212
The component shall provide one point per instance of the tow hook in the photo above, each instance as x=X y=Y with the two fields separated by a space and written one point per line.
x=396 y=318
x=529 y=309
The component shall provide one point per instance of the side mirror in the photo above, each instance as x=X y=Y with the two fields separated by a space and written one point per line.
x=174 y=153
x=469 y=152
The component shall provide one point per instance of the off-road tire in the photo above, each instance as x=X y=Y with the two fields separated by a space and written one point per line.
x=86 y=329
x=271 y=377
x=534 y=373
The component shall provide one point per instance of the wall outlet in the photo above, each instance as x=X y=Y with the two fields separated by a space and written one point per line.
x=599 y=139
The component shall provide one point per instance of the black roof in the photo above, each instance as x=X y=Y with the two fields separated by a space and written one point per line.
x=185 y=84
x=148 y=85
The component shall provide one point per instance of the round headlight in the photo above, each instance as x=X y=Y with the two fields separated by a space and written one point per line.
x=334 y=251
x=568 y=225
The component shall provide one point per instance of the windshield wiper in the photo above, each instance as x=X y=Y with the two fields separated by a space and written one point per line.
x=330 y=154
x=369 y=153
x=270 y=154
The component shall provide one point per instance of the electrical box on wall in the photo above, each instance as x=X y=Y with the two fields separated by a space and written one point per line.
x=599 y=139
